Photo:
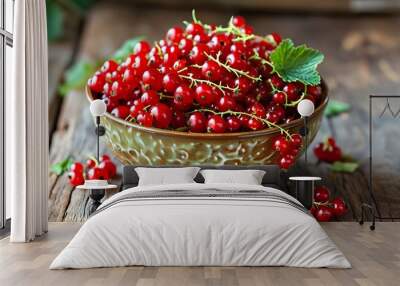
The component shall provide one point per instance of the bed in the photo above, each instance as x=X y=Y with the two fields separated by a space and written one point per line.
x=201 y=224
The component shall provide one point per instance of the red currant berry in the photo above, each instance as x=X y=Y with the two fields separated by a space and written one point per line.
x=216 y=124
x=201 y=38
x=197 y=122
x=109 y=168
x=185 y=45
x=272 y=116
x=221 y=42
x=204 y=95
x=233 y=124
x=174 y=34
x=119 y=90
x=211 y=71
x=136 y=108
x=154 y=61
x=244 y=84
x=248 y=30
x=162 y=115
x=109 y=66
x=258 y=110
x=179 y=65
x=280 y=112
x=198 y=54
x=293 y=91
x=150 y=97
x=183 y=98
x=277 y=38
x=286 y=162
x=235 y=60
x=238 y=21
x=152 y=79
x=142 y=47
x=139 y=65
x=130 y=79
x=178 y=119
x=297 y=140
x=282 y=145
x=279 y=98
x=169 y=59
x=76 y=179
x=121 y=111
x=96 y=82
x=90 y=164
x=96 y=173
x=321 y=194
x=277 y=82
x=255 y=124
x=194 y=29
x=226 y=103
x=104 y=157
x=244 y=120
x=238 y=47
x=145 y=119
x=171 y=81
x=314 y=90
x=77 y=167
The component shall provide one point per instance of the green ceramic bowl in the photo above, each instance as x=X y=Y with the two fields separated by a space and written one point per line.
x=134 y=144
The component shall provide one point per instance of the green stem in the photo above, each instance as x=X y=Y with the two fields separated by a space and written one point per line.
x=256 y=56
x=222 y=88
x=294 y=103
x=231 y=69
x=230 y=112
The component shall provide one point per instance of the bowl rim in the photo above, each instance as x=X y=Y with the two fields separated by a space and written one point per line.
x=232 y=135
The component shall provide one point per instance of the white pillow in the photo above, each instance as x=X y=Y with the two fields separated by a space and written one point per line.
x=164 y=176
x=248 y=177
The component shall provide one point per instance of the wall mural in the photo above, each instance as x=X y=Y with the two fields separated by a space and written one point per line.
x=237 y=102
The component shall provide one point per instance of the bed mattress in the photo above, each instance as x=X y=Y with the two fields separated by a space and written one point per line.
x=201 y=225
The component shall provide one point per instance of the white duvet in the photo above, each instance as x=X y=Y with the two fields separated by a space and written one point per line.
x=200 y=231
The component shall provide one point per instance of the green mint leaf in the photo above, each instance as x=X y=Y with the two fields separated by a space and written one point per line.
x=77 y=76
x=347 y=167
x=334 y=108
x=61 y=167
x=296 y=63
x=126 y=49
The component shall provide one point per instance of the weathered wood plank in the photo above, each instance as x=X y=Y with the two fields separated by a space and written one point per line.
x=60 y=55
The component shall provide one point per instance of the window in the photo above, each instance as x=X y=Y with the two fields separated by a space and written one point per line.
x=6 y=43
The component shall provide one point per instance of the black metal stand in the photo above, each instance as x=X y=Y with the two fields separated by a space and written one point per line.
x=372 y=206
x=96 y=196
x=304 y=133
x=365 y=207
x=305 y=193
x=100 y=131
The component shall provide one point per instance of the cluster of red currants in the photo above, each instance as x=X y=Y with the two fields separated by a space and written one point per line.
x=325 y=209
x=103 y=170
x=328 y=151
x=202 y=78
x=288 y=149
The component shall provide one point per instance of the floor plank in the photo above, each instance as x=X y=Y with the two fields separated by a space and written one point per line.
x=374 y=255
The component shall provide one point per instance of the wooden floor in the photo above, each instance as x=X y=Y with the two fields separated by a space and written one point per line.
x=375 y=257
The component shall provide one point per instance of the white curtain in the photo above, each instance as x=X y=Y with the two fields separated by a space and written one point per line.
x=27 y=123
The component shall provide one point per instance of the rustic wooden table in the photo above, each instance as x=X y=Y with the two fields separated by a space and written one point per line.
x=361 y=57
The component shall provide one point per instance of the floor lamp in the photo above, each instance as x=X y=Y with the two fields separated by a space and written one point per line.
x=305 y=109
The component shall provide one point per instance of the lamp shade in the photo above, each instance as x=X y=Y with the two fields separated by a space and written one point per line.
x=98 y=107
x=305 y=107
